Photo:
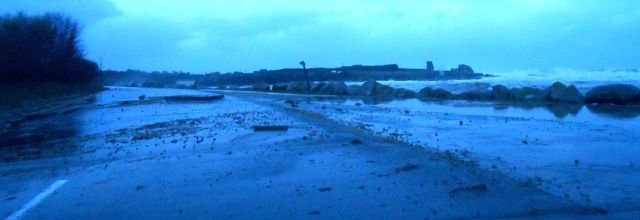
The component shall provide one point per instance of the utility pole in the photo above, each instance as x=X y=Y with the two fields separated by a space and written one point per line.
x=306 y=76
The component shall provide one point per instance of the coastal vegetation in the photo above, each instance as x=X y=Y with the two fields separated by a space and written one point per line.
x=41 y=57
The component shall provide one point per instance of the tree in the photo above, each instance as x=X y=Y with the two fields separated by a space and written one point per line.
x=43 y=48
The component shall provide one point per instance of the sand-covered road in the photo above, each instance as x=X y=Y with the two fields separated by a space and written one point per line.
x=203 y=160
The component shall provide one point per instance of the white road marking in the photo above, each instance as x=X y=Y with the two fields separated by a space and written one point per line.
x=18 y=214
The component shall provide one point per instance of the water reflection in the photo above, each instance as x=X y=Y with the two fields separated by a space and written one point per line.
x=557 y=110
x=615 y=110
x=37 y=136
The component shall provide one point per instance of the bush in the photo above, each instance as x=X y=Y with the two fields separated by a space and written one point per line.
x=36 y=49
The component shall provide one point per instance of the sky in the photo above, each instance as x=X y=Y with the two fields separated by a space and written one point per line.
x=202 y=36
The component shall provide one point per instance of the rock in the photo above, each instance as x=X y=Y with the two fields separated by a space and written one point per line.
x=555 y=92
x=316 y=87
x=298 y=86
x=425 y=93
x=558 y=92
x=571 y=95
x=462 y=68
x=356 y=141
x=615 y=94
x=429 y=93
x=404 y=93
x=335 y=88
x=500 y=92
x=353 y=89
x=441 y=94
x=373 y=88
x=261 y=86
x=291 y=103
x=523 y=94
x=475 y=95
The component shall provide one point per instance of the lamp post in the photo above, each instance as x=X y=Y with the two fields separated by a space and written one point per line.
x=306 y=76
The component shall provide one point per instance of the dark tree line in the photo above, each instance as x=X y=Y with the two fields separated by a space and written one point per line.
x=44 y=48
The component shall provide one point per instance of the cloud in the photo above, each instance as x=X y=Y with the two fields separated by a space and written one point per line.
x=210 y=35
x=86 y=11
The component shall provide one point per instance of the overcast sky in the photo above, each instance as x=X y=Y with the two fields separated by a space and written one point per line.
x=245 y=35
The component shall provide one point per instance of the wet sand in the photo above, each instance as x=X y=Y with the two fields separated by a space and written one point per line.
x=154 y=159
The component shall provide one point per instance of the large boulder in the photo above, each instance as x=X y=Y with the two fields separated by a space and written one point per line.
x=335 y=88
x=261 y=86
x=353 y=89
x=481 y=95
x=428 y=93
x=298 y=86
x=425 y=93
x=569 y=95
x=404 y=93
x=373 y=88
x=317 y=86
x=440 y=94
x=523 y=94
x=615 y=93
x=500 y=92
x=558 y=92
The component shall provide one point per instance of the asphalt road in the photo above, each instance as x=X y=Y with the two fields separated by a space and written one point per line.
x=161 y=160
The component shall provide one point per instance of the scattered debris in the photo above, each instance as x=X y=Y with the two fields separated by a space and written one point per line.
x=291 y=103
x=325 y=189
x=270 y=128
x=475 y=188
x=10 y=198
x=406 y=168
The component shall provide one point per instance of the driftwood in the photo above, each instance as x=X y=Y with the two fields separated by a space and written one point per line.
x=270 y=128
x=194 y=97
